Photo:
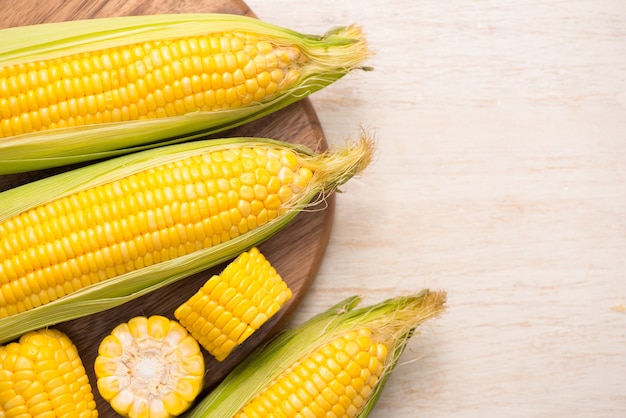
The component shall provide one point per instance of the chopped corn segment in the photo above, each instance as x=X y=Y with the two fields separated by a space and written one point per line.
x=149 y=367
x=333 y=381
x=233 y=305
x=42 y=375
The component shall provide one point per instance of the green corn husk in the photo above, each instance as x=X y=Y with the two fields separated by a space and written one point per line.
x=330 y=57
x=393 y=320
x=331 y=169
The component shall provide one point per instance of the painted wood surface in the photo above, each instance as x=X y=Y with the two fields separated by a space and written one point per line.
x=501 y=129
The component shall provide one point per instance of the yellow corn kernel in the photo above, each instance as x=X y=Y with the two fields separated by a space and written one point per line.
x=233 y=305
x=149 y=367
x=43 y=375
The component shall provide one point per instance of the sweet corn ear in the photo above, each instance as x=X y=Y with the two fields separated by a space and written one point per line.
x=42 y=375
x=94 y=238
x=334 y=380
x=231 y=306
x=75 y=91
x=149 y=367
x=334 y=365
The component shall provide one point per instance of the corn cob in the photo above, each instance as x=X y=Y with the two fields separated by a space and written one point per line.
x=231 y=306
x=75 y=91
x=43 y=376
x=334 y=365
x=149 y=367
x=90 y=239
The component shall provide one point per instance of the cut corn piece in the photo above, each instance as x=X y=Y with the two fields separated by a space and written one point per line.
x=80 y=90
x=87 y=240
x=231 y=306
x=334 y=365
x=42 y=375
x=149 y=367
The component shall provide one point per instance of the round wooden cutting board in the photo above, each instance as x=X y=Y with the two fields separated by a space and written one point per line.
x=295 y=252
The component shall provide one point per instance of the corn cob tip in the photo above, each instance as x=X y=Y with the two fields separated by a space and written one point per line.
x=336 y=166
x=337 y=53
x=394 y=320
x=355 y=38
x=412 y=310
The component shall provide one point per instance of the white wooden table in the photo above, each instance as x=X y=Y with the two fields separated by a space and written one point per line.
x=501 y=129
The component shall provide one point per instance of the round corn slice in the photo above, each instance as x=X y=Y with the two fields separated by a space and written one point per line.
x=149 y=367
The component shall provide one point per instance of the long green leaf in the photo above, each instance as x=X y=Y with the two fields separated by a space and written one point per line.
x=53 y=40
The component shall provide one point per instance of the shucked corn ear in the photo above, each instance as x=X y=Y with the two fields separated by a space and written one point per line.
x=42 y=375
x=93 y=238
x=231 y=306
x=149 y=367
x=81 y=90
x=334 y=365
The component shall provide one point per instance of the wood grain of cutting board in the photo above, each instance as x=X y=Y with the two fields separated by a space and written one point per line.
x=295 y=252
